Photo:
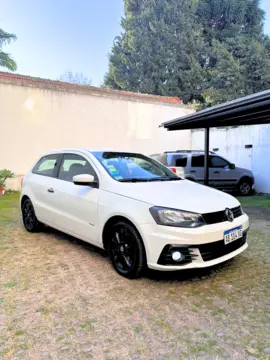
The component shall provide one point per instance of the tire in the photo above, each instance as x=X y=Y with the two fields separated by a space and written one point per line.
x=244 y=187
x=30 y=220
x=126 y=250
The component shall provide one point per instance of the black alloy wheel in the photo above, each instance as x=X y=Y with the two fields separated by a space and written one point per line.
x=30 y=221
x=126 y=250
x=245 y=187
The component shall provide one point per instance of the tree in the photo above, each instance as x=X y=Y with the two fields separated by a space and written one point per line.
x=75 y=78
x=5 y=60
x=232 y=32
x=257 y=68
x=199 y=50
x=159 y=50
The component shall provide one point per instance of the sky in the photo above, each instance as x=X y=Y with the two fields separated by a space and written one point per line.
x=55 y=36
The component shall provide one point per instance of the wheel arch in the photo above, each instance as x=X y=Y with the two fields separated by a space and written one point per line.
x=190 y=178
x=109 y=224
x=24 y=197
x=244 y=177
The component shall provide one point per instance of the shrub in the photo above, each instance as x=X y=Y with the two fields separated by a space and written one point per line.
x=4 y=175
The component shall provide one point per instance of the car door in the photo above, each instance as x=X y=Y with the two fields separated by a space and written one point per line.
x=196 y=169
x=76 y=205
x=223 y=175
x=41 y=182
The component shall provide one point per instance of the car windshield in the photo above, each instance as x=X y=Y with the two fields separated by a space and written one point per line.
x=131 y=167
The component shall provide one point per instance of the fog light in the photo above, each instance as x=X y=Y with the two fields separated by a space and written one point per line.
x=177 y=256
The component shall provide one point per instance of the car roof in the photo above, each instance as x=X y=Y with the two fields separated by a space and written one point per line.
x=196 y=152
x=86 y=150
x=187 y=151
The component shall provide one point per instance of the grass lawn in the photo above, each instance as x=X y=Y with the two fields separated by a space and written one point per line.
x=60 y=299
x=256 y=200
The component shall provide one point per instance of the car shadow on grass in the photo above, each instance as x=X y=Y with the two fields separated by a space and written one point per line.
x=74 y=241
x=153 y=275
x=188 y=274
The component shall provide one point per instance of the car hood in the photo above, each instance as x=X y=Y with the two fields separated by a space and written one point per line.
x=182 y=194
x=244 y=171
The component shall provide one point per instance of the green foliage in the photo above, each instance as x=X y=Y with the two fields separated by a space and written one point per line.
x=204 y=51
x=75 y=78
x=5 y=60
x=4 y=175
x=257 y=200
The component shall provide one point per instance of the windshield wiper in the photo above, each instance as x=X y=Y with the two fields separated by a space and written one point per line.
x=149 y=179
x=163 y=179
x=133 y=180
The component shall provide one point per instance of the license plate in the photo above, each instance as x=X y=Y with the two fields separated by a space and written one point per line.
x=233 y=234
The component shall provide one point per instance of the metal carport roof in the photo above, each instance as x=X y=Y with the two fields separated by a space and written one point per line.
x=248 y=110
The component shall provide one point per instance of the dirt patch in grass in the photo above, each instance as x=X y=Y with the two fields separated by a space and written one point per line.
x=61 y=299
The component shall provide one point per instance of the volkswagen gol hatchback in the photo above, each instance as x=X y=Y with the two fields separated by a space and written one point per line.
x=134 y=207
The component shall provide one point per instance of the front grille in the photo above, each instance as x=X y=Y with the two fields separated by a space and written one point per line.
x=218 y=249
x=166 y=255
x=220 y=216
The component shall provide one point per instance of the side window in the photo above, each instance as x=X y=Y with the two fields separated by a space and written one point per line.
x=177 y=160
x=197 y=161
x=217 y=162
x=46 y=165
x=73 y=165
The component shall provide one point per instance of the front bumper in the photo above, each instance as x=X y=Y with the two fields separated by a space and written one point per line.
x=156 y=237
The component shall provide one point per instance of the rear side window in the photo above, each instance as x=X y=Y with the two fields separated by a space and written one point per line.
x=46 y=165
x=197 y=161
x=177 y=160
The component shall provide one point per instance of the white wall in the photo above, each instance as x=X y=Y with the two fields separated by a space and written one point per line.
x=36 y=120
x=231 y=144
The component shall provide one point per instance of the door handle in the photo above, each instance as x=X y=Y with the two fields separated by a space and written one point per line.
x=217 y=172
x=50 y=190
x=193 y=171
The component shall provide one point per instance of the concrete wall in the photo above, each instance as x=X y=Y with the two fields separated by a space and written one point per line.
x=35 y=120
x=231 y=144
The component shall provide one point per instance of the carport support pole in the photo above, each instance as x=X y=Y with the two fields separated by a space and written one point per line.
x=206 y=156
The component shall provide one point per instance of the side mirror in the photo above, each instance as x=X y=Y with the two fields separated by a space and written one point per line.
x=84 y=180
x=232 y=166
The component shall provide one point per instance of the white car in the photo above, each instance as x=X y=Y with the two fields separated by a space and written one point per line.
x=134 y=207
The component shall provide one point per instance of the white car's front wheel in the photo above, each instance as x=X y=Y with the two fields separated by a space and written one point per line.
x=126 y=250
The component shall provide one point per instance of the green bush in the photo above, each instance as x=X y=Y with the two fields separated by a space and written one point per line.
x=4 y=175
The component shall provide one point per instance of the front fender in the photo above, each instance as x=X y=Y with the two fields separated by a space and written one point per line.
x=111 y=205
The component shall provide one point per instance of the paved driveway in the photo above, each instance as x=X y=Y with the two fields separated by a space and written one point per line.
x=60 y=299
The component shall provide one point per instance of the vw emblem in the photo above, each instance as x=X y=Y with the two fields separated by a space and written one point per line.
x=229 y=215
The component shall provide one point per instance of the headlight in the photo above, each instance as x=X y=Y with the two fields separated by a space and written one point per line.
x=178 y=218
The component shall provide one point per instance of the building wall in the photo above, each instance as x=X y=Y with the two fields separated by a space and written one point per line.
x=36 y=120
x=231 y=144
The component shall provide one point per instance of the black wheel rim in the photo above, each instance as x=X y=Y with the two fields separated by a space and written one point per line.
x=123 y=249
x=28 y=215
